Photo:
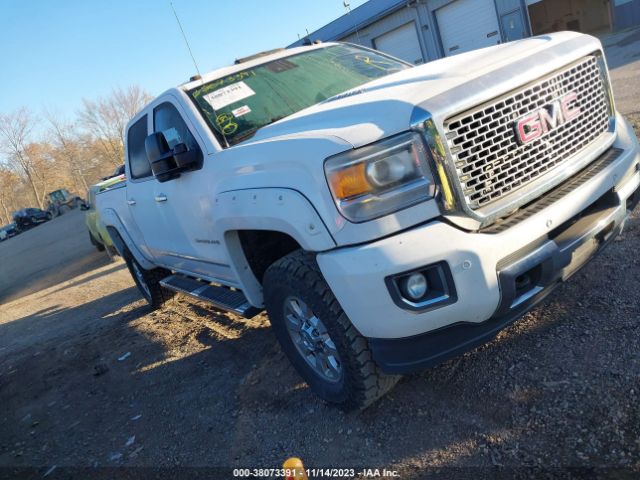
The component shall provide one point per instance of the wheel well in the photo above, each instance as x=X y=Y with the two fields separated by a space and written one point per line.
x=117 y=240
x=263 y=247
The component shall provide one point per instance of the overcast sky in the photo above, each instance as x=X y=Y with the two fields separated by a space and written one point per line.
x=55 y=52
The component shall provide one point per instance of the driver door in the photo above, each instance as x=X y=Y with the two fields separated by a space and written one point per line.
x=185 y=207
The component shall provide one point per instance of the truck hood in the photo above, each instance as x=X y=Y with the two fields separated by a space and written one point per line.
x=440 y=89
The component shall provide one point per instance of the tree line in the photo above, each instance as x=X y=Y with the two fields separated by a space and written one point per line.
x=42 y=152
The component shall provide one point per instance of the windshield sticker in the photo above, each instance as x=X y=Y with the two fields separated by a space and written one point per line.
x=226 y=125
x=385 y=66
x=228 y=95
x=243 y=110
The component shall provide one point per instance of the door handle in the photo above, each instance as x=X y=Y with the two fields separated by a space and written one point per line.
x=161 y=198
x=131 y=202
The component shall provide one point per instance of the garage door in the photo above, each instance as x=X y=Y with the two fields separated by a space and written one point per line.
x=468 y=24
x=402 y=43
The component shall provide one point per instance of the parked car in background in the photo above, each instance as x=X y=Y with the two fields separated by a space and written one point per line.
x=116 y=173
x=30 y=217
x=8 y=231
x=61 y=200
x=98 y=234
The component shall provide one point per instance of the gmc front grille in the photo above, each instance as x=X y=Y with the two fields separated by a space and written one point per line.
x=491 y=163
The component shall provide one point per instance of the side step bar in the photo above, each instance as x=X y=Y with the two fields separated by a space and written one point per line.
x=220 y=297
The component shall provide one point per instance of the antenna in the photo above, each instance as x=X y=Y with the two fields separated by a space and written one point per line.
x=347 y=7
x=195 y=64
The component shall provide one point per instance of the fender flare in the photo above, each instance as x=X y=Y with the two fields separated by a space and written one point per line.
x=275 y=209
x=121 y=239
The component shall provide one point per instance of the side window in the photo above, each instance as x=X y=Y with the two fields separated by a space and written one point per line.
x=167 y=119
x=138 y=161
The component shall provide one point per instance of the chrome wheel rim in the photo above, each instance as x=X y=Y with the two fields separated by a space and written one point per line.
x=140 y=278
x=312 y=340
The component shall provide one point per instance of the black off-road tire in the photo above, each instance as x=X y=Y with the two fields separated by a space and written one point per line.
x=99 y=246
x=362 y=382
x=154 y=294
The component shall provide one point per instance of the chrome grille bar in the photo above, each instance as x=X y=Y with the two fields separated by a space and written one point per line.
x=491 y=164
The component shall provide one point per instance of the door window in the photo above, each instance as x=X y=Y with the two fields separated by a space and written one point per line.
x=167 y=119
x=138 y=161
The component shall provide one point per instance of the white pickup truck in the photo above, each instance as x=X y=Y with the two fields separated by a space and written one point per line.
x=387 y=216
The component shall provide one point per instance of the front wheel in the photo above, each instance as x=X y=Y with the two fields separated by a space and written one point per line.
x=148 y=282
x=49 y=216
x=318 y=337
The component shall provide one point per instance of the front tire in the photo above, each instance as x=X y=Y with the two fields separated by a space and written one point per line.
x=148 y=282
x=318 y=337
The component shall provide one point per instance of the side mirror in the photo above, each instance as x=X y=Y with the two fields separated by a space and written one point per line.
x=167 y=162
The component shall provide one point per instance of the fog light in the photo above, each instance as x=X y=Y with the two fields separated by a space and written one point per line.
x=415 y=286
x=424 y=288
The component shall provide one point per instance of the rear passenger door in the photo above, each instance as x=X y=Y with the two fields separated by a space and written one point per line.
x=145 y=229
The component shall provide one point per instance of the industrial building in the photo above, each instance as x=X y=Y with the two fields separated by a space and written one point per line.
x=423 y=30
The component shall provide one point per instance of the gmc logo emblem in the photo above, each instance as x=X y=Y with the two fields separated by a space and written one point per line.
x=536 y=124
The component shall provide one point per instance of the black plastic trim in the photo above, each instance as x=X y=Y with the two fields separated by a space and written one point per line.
x=549 y=198
x=449 y=293
x=419 y=352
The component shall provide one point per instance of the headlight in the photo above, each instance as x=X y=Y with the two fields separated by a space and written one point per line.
x=379 y=179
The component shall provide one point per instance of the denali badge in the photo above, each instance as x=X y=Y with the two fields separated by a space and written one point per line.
x=535 y=124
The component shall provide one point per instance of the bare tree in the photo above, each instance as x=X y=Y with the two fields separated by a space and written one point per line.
x=67 y=146
x=9 y=184
x=75 y=154
x=15 y=136
x=105 y=118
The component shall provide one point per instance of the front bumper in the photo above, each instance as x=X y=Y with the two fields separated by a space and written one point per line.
x=549 y=244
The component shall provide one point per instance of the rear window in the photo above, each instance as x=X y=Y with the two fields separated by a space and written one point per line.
x=138 y=161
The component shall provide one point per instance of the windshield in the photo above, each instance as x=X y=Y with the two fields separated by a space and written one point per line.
x=238 y=105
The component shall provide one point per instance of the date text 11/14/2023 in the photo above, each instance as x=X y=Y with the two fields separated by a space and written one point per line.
x=312 y=473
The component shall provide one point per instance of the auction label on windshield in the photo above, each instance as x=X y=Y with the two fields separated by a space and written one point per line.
x=243 y=110
x=228 y=95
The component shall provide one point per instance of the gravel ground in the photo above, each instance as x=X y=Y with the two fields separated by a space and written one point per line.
x=89 y=377
x=623 y=57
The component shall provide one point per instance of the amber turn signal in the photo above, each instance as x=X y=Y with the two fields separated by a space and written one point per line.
x=349 y=182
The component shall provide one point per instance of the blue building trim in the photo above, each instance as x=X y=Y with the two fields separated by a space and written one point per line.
x=359 y=17
x=375 y=17
x=626 y=15
x=374 y=11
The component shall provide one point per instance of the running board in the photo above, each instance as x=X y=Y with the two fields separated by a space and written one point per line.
x=220 y=297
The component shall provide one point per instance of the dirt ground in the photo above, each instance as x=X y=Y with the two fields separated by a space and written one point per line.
x=90 y=377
